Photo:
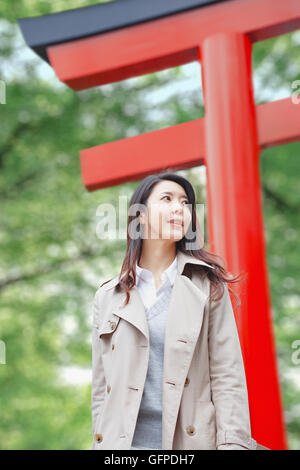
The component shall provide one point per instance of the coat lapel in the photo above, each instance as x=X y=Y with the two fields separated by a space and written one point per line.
x=134 y=311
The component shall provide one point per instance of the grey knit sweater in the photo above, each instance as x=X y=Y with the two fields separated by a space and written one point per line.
x=148 y=431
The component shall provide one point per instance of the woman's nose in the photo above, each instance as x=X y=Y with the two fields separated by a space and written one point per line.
x=177 y=207
x=176 y=213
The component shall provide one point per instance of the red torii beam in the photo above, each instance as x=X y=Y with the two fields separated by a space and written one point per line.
x=227 y=140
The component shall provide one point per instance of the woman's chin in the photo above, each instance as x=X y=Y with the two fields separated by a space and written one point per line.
x=175 y=236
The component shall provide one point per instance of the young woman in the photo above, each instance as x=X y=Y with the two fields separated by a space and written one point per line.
x=167 y=367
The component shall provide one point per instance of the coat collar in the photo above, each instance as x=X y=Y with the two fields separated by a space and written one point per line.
x=182 y=260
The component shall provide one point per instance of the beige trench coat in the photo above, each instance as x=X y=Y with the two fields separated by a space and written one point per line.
x=205 y=399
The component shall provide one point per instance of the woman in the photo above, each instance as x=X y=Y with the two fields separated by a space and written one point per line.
x=167 y=368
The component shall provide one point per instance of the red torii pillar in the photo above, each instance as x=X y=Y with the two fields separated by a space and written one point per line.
x=227 y=140
x=235 y=221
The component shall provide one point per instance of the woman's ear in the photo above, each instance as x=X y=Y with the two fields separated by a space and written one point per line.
x=142 y=218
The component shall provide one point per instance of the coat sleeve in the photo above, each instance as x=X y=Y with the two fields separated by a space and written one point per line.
x=227 y=375
x=98 y=377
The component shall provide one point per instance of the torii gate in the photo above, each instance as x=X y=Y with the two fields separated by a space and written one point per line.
x=114 y=41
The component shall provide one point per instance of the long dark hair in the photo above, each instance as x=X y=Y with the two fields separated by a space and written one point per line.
x=217 y=276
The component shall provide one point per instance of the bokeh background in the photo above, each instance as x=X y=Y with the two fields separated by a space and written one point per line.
x=51 y=260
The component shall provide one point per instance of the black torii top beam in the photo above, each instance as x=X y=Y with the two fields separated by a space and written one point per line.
x=42 y=31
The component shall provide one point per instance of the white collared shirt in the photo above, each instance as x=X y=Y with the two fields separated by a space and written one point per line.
x=146 y=284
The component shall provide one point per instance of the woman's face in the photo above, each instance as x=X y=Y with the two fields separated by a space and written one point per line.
x=167 y=201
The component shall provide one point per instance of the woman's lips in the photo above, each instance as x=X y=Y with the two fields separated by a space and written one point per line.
x=176 y=224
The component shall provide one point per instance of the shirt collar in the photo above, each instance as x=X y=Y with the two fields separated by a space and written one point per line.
x=146 y=275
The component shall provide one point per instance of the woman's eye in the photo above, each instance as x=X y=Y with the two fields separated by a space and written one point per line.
x=185 y=201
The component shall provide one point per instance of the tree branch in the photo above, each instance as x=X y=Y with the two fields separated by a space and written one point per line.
x=85 y=253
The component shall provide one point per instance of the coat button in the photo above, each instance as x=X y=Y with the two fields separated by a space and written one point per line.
x=190 y=430
x=113 y=325
x=112 y=346
x=108 y=388
x=187 y=381
x=98 y=437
